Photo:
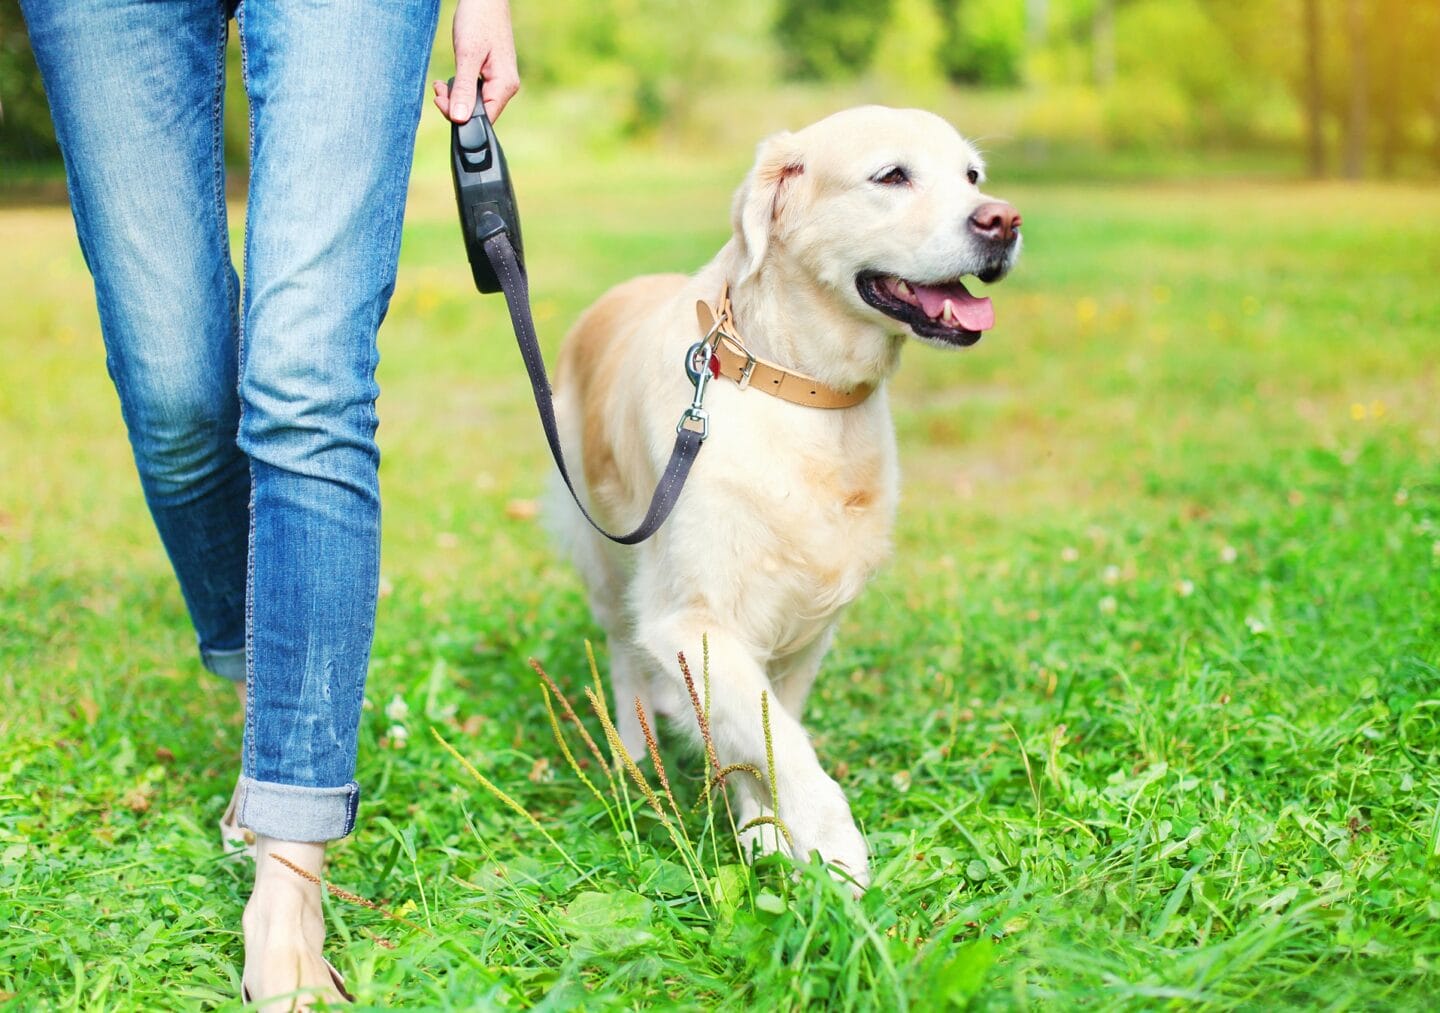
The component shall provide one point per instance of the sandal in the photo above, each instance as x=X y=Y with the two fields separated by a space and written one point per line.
x=236 y=840
x=336 y=979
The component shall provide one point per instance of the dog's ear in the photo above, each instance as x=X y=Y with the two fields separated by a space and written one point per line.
x=760 y=201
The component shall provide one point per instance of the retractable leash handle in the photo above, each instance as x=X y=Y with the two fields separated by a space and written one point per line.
x=484 y=194
x=490 y=222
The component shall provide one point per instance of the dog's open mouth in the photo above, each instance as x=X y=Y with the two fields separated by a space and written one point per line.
x=947 y=312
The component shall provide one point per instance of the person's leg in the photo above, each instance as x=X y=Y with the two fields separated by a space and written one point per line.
x=135 y=91
x=335 y=91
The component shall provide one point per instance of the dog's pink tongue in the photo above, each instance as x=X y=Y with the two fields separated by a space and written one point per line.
x=972 y=313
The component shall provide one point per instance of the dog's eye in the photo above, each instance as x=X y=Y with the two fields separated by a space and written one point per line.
x=893 y=176
x=973 y=175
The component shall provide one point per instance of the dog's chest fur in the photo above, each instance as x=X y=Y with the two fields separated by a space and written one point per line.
x=803 y=500
x=788 y=509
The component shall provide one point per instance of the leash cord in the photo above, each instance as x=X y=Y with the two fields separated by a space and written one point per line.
x=516 y=287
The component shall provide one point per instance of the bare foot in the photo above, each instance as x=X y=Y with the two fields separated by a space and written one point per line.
x=285 y=930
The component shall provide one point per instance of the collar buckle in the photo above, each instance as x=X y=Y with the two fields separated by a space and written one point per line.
x=749 y=368
x=743 y=380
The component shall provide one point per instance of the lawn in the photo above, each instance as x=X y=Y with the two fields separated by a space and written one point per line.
x=1145 y=712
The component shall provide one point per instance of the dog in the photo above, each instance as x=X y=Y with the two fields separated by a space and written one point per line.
x=850 y=236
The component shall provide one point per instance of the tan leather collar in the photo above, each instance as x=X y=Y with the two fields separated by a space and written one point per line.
x=730 y=358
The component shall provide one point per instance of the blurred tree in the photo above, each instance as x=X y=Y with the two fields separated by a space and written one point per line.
x=1349 y=82
x=1195 y=71
x=26 y=133
x=984 y=40
x=1103 y=43
x=674 y=51
x=1430 y=88
x=908 y=52
x=1037 y=23
x=829 y=40
x=1404 y=85
x=1357 y=114
x=648 y=62
x=564 y=42
x=1037 y=35
x=1392 y=103
x=1314 y=89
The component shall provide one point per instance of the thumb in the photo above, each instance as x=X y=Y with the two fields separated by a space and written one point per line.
x=462 y=95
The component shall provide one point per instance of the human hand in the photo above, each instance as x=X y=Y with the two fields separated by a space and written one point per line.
x=484 y=47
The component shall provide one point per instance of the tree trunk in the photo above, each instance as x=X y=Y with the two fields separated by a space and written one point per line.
x=1433 y=98
x=1390 y=95
x=1435 y=124
x=1102 y=43
x=1357 y=117
x=1037 y=35
x=1037 y=23
x=1314 y=89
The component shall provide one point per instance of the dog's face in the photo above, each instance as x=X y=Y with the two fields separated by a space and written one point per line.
x=884 y=207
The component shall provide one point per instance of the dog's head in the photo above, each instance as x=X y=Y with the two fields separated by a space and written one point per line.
x=884 y=207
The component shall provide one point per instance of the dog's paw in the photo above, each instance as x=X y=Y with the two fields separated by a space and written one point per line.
x=821 y=824
x=844 y=851
x=824 y=824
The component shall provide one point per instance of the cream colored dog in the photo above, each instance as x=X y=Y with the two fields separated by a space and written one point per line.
x=849 y=235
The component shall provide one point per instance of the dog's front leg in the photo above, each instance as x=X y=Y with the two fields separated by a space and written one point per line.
x=793 y=675
x=753 y=816
x=630 y=681
x=807 y=800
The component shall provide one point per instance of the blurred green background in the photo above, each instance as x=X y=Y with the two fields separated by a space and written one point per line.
x=1088 y=87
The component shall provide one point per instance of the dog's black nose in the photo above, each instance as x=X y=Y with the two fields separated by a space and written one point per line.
x=996 y=220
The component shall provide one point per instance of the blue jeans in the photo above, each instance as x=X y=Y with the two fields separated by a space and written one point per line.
x=252 y=418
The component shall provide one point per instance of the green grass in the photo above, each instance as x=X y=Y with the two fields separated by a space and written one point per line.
x=1144 y=713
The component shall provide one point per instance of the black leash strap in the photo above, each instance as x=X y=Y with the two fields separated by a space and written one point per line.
x=688 y=438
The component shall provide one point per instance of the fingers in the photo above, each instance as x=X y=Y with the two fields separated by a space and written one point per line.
x=501 y=84
x=442 y=98
x=496 y=93
x=462 y=94
x=484 y=47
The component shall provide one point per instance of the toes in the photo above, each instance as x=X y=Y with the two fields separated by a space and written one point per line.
x=832 y=833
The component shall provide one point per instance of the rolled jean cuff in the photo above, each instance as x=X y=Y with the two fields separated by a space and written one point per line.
x=290 y=813
x=226 y=664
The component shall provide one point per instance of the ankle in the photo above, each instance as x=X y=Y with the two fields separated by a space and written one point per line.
x=297 y=859
x=288 y=888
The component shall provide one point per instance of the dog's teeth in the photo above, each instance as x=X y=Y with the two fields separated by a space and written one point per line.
x=903 y=289
x=947 y=315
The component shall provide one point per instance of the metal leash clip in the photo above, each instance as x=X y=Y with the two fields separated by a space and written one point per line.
x=700 y=366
